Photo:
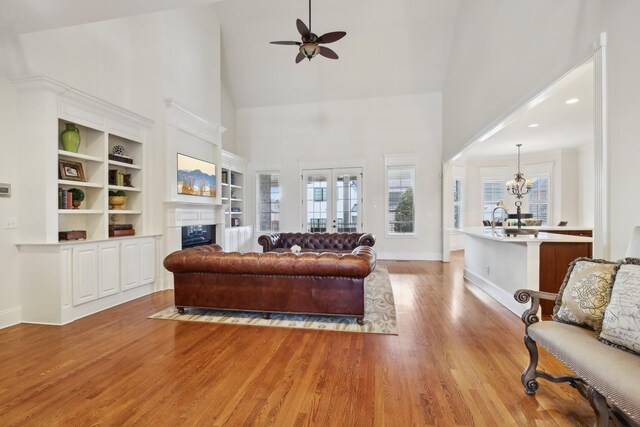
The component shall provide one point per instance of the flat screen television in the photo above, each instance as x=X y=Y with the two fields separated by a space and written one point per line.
x=196 y=177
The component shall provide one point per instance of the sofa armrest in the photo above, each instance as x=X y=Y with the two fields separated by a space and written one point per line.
x=270 y=241
x=523 y=296
x=367 y=253
x=367 y=239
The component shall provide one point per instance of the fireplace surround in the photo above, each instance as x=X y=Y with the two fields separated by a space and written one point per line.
x=198 y=235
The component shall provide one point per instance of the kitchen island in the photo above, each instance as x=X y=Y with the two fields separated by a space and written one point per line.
x=500 y=265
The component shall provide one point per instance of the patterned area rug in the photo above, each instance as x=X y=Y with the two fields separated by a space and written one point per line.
x=379 y=316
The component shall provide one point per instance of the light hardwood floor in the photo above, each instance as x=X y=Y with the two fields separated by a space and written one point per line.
x=456 y=361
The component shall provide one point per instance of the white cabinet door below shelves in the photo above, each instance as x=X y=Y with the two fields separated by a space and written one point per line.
x=108 y=269
x=130 y=264
x=147 y=261
x=85 y=273
x=230 y=240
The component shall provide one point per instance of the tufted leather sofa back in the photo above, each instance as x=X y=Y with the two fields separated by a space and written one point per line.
x=210 y=259
x=340 y=242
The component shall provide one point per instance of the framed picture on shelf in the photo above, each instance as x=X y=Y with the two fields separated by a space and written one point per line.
x=71 y=171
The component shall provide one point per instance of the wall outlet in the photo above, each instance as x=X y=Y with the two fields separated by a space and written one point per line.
x=10 y=223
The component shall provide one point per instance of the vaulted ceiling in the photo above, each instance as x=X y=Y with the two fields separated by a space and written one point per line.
x=392 y=47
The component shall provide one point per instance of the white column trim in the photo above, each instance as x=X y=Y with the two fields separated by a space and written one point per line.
x=601 y=244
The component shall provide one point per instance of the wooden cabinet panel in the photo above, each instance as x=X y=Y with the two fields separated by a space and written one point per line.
x=130 y=264
x=555 y=258
x=108 y=269
x=85 y=273
x=147 y=261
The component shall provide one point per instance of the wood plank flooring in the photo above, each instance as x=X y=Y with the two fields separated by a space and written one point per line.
x=457 y=361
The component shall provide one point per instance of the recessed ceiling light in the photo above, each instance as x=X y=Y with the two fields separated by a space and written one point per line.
x=572 y=101
x=534 y=125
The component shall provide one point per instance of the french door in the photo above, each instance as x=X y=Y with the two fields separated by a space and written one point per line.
x=332 y=200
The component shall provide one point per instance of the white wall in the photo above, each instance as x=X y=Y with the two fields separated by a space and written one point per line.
x=506 y=51
x=132 y=62
x=229 y=122
x=619 y=20
x=9 y=171
x=352 y=133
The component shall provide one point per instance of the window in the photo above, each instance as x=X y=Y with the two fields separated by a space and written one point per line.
x=493 y=191
x=539 y=198
x=320 y=194
x=400 y=198
x=457 y=203
x=268 y=201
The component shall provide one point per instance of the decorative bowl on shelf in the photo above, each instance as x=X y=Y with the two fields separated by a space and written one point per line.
x=117 y=202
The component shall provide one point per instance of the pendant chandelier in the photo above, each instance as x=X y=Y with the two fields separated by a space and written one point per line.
x=519 y=186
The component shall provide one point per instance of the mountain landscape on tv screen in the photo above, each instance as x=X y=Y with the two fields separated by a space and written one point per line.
x=196 y=183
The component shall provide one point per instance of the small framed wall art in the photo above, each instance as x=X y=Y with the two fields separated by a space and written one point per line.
x=71 y=171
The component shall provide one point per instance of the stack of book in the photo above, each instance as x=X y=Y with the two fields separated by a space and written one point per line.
x=118 y=230
x=65 y=199
x=121 y=159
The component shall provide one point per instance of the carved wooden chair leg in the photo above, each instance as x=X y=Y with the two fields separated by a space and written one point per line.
x=529 y=375
x=180 y=310
x=599 y=404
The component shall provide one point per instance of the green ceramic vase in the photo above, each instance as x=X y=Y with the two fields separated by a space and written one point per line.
x=70 y=138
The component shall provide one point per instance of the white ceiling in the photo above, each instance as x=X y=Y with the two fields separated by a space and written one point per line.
x=23 y=16
x=392 y=48
x=561 y=126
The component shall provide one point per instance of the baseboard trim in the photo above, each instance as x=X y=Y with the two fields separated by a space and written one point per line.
x=495 y=292
x=10 y=316
x=410 y=256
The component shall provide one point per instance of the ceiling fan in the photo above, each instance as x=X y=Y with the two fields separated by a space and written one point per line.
x=310 y=42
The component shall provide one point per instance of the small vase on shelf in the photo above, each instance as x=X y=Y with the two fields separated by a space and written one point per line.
x=70 y=138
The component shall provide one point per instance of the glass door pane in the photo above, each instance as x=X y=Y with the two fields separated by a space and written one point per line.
x=347 y=209
x=316 y=201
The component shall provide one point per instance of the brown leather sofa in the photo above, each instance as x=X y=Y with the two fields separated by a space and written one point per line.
x=315 y=242
x=313 y=283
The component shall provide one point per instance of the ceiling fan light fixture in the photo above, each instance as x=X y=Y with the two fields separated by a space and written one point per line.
x=310 y=49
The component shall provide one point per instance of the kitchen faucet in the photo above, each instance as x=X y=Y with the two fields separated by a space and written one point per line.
x=493 y=216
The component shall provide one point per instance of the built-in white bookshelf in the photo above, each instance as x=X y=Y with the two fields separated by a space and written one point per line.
x=75 y=278
x=232 y=184
x=48 y=106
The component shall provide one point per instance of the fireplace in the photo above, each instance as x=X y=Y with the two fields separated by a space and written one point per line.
x=197 y=235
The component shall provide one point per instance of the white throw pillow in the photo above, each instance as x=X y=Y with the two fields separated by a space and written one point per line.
x=621 y=325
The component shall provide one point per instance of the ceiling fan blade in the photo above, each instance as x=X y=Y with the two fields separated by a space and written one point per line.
x=328 y=53
x=287 y=43
x=300 y=57
x=331 y=37
x=303 y=29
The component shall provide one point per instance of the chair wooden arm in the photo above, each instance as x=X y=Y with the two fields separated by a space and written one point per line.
x=523 y=296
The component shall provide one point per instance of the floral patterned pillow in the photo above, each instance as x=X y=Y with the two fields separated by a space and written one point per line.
x=621 y=325
x=585 y=293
